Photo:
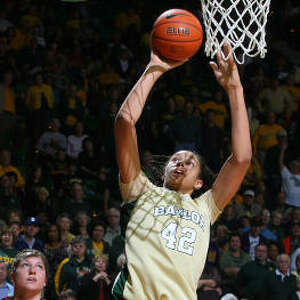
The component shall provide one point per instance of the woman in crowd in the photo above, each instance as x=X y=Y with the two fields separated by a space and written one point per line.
x=64 y=223
x=96 y=284
x=29 y=275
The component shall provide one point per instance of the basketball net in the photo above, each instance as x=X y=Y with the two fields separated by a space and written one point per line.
x=241 y=23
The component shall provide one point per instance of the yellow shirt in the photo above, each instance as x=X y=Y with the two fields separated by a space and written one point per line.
x=167 y=239
x=33 y=98
x=109 y=78
x=266 y=136
x=18 y=42
x=98 y=247
x=9 y=101
x=4 y=170
x=219 y=108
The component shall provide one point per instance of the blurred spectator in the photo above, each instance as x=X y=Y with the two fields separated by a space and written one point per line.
x=292 y=241
x=87 y=159
x=97 y=284
x=220 y=237
x=253 y=237
x=7 y=245
x=7 y=109
x=280 y=201
x=295 y=263
x=52 y=140
x=64 y=222
x=272 y=171
x=274 y=250
x=9 y=196
x=211 y=141
x=265 y=136
x=113 y=229
x=16 y=229
x=28 y=239
x=108 y=76
x=96 y=245
x=6 y=289
x=14 y=215
x=81 y=226
x=76 y=201
x=231 y=261
x=43 y=203
x=70 y=270
x=274 y=98
x=281 y=284
x=183 y=123
x=209 y=285
x=218 y=106
x=55 y=252
x=265 y=228
x=72 y=107
x=40 y=102
x=75 y=141
x=68 y=294
x=250 y=279
x=276 y=225
x=254 y=174
x=247 y=207
x=228 y=218
x=290 y=178
x=5 y=167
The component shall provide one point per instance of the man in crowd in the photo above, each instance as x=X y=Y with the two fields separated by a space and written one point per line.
x=232 y=260
x=253 y=237
x=113 y=229
x=28 y=240
x=6 y=289
x=280 y=284
x=251 y=275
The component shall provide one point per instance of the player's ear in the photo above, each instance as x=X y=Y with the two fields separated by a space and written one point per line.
x=198 y=184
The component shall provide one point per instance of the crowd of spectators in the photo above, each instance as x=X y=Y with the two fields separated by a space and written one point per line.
x=65 y=68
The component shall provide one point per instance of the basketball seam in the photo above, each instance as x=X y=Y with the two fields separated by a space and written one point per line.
x=175 y=41
x=197 y=27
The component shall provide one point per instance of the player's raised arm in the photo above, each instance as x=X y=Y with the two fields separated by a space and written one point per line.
x=129 y=113
x=235 y=168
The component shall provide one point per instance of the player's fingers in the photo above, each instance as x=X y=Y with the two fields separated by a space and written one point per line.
x=213 y=65
x=219 y=57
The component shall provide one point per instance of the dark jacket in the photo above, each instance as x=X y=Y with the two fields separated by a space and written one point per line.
x=21 y=244
x=277 y=289
x=89 y=289
x=250 y=280
x=246 y=241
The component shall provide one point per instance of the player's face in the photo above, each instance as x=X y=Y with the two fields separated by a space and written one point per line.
x=30 y=275
x=182 y=171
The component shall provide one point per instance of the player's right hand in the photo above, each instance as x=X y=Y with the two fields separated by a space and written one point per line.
x=163 y=63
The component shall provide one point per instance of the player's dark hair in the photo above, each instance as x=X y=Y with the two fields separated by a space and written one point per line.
x=156 y=169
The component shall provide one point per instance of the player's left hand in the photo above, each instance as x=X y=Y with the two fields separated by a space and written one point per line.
x=226 y=71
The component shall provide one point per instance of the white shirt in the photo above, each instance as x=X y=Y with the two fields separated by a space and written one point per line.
x=291 y=186
x=75 y=145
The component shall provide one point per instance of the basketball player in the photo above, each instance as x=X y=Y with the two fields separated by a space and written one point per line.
x=29 y=275
x=167 y=232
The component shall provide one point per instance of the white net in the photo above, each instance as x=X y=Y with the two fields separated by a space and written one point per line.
x=241 y=23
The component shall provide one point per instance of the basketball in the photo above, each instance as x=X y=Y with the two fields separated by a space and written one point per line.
x=177 y=34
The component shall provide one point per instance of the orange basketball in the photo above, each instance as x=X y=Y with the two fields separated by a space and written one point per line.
x=177 y=34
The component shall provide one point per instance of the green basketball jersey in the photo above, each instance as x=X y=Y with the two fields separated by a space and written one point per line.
x=166 y=241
